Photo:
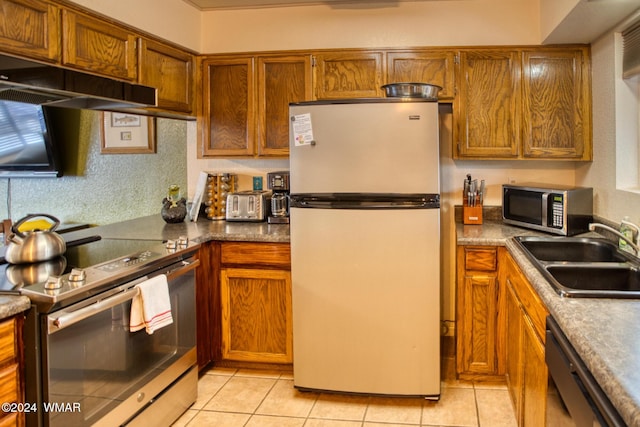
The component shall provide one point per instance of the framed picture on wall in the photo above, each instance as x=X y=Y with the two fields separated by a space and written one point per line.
x=124 y=133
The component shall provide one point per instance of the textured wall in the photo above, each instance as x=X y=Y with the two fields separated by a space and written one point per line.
x=100 y=188
x=612 y=135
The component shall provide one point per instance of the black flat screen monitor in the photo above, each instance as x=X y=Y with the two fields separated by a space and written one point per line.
x=27 y=147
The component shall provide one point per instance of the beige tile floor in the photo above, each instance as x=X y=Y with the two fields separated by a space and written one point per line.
x=251 y=398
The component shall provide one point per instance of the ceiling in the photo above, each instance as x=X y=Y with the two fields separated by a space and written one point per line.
x=255 y=4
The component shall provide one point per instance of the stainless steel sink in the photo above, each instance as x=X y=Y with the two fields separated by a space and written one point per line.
x=618 y=278
x=571 y=249
x=584 y=267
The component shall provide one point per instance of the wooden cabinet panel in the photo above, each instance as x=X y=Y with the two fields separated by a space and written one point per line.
x=418 y=66
x=255 y=253
x=8 y=351
x=281 y=80
x=256 y=315
x=514 y=345
x=99 y=47
x=535 y=378
x=342 y=74
x=479 y=321
x=481 y=259
x=508 y=103
x=528 y=299
x=526 y=369
x=556 y=102
x=169 y=70
x=487 y=111
x=11 y=361
x=44 y=31
x=526 y=103
x=11 y=420
x=229 y=107
x=207 y=303
x=479 y=336
x=30 y=28
x=9 y=383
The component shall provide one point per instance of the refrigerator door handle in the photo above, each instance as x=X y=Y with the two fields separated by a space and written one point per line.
x=365 y=201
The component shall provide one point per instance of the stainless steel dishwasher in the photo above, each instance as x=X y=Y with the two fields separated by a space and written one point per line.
x=574 y=397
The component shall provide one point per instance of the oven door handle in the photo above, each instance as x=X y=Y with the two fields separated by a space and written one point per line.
x=66 y=319
x=185 y=267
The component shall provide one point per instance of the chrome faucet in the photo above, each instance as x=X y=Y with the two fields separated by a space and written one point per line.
x=631 y=242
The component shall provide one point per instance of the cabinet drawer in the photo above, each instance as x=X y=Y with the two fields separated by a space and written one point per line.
x=245 y=253
x=481 y=259
x=7 y=342
x=531 y=303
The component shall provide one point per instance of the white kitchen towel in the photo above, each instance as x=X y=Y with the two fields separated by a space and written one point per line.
x=151 y=307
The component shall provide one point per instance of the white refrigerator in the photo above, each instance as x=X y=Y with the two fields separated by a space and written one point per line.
x=365 y=246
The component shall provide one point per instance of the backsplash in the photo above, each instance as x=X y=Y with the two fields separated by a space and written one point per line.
x=101 y=188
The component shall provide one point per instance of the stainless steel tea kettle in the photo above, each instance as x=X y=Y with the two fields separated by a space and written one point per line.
x=35 y=245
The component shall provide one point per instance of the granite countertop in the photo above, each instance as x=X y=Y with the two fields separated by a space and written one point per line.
x=153 y=227
x=604 y=332
x=11 y=305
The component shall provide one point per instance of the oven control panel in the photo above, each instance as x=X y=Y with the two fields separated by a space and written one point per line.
x=128 y=261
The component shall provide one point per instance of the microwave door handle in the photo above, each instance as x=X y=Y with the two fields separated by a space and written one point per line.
x=545 y=210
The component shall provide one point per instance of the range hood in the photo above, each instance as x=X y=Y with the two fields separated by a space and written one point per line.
x=36 y=83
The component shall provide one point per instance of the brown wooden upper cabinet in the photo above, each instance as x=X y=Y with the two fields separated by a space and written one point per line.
x=170 y=70
x=30 y=28
x=73 y=37
x=556 y=104
x=246 y=103
x=229 y=107
x=423 y=66
x=349 y=74
x=523 y=104
x=281 y=80
x=487 y=110
x=98 y=46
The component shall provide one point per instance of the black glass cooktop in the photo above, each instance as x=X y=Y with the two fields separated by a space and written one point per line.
x=81 y=254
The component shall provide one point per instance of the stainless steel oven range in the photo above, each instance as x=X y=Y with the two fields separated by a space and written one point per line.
x=83 y=365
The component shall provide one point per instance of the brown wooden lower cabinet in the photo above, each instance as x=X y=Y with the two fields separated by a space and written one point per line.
x=478 y=314
x=207 y=297
x=256 y=315
x=535 y=379
x=11 y=378
x=514 y=346
x=500 y=324
x=527 y=374
x=243 y=295
x=255 y=302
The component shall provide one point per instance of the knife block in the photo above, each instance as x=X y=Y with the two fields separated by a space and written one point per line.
x=472 y=215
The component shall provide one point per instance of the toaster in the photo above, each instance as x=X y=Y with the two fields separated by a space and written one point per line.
x=248 y=206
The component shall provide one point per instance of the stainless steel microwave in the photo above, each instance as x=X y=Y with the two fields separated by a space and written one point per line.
x=554 y=209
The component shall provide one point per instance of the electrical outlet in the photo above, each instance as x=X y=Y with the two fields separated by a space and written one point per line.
x=511 y=180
